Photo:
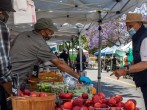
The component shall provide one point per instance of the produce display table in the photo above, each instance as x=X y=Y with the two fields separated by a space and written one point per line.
x=81 y=97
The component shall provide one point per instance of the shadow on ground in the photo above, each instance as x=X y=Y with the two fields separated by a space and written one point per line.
x=111 y=90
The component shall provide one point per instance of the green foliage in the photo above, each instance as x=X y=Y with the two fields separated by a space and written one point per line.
x=76 y=43
x=61 y=47
x=92 y=51
x=73 y=57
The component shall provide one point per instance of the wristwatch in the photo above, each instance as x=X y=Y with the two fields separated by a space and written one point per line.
x=127 y=69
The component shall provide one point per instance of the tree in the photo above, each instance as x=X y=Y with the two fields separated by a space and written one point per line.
x=113 y=33
x=75 y=42
x=84 y=42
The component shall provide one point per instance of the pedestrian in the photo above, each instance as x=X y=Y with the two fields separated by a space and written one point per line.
x=138 y=33
x=125 y=60
x=56 y=53
x=5 y=84
x=78 y=67
x=126 y=63
x=30 y=47
x=64 y=56
x=114 y=63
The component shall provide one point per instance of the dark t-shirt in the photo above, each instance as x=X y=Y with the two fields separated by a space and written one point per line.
x=28 y=49
x=114 y=61
x=64 y=56
x=78 y=62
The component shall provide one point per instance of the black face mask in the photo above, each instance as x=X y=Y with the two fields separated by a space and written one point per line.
x=4 y=17
x=47 y=37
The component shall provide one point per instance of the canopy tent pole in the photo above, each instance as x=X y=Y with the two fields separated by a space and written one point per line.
x=99 y=55
x=80 y=50
x=100 y=47
x=72 y=54
x=64 y=45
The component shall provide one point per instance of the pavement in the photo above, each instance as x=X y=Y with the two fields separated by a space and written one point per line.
x=111 y=86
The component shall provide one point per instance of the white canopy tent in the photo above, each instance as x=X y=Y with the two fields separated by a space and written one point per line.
x=111 y=50
x=71 y=16
x=126 y=47
x=73 y=51
x=83 y=11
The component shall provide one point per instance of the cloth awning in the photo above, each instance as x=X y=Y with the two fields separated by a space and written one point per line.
x=102 y=51
x=72 y=15
x=127 y=47
x=111 y=50
x=83 y=11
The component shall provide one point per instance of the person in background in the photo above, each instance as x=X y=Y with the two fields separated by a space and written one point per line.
x=30 y=48
x=5 y=77
x=138 y=33
x=125 y=62
x=78 y=61
x=126 y=59
x=113 y=63
x=56 y=53
x=64 y=56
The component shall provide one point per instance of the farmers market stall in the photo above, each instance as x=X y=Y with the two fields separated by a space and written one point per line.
x=60 y=87
x=52 y=90
x=72 y=13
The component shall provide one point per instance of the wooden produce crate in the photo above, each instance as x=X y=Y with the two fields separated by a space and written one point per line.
x=50 y=77
x=34 y=103
x=44 y=77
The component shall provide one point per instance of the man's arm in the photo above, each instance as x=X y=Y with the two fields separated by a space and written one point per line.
x=138 y=67
x=64 y=67
x=45 y=54
x=143 y=64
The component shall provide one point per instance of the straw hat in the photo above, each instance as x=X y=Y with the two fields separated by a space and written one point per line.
x=134 y=17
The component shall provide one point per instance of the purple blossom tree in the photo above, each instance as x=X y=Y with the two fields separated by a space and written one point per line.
x=113 y=33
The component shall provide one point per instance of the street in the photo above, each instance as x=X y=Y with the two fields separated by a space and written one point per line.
x=111 y=86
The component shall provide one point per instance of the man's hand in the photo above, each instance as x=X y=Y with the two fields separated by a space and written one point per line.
x=85 y=80
x=118 y=73
x=8 y=87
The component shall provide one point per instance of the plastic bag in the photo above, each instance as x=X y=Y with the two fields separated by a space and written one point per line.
x=70 y=81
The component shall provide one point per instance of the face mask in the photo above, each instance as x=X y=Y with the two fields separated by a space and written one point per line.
x=132 y=32
x=47 y=37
